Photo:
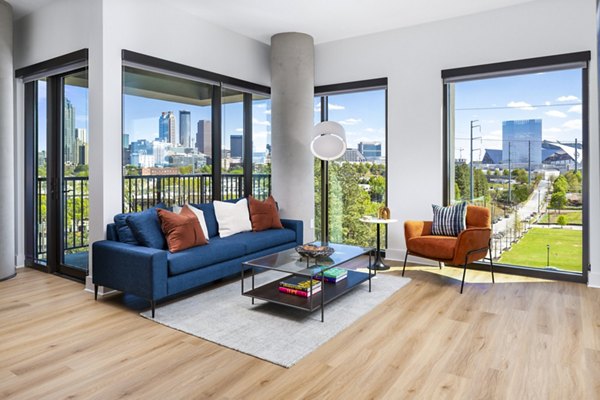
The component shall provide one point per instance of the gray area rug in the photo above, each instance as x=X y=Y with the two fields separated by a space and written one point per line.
x=275 y=333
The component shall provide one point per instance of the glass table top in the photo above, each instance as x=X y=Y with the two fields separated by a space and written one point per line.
x=292 y=262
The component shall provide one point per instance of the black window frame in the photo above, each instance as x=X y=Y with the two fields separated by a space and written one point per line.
x=323 y=92
x=517 y=67
x=218 y=82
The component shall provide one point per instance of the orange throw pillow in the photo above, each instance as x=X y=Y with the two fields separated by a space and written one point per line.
x=264 y=214
x=181 y=230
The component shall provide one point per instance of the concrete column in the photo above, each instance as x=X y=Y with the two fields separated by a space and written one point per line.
x=292 y=102
x=7 y=129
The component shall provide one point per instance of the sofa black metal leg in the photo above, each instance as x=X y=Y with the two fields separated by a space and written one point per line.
x=492 y=269
x=440 y=264
x=153 y=305
x=462 y=285
x=405 y=258
x=95 y=292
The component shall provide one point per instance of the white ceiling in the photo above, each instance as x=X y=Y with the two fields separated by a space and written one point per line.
x=325 y=20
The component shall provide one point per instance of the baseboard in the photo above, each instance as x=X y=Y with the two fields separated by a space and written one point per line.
x=398 y=255
x=102 y=290
x=594 y=280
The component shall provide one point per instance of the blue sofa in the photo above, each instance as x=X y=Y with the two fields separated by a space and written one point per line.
x=155 y=274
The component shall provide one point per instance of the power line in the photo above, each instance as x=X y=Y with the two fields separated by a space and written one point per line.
x=518 y=107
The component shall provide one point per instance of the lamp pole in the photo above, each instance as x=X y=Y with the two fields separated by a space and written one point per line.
x=473 y=125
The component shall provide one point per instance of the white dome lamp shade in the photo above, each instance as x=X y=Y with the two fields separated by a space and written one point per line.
x=329 y=141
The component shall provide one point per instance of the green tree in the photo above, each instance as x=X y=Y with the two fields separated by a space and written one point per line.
x=377 y=185
x=558 y=200
x=185 y=170
x=520 y=175
x=560 y=184
x=562 y=221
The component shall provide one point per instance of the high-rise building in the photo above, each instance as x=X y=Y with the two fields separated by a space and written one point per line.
x=524 y=139
x=126 y=140
x=163 y=127
x=166 y=128
x=237 y=145
x=81 y=134
x=370 y=150
x=71 y=150
x=185 y=128
x=159 y=150
x=203 y=137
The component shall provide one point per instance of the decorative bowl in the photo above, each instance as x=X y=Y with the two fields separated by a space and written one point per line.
x=311 y=251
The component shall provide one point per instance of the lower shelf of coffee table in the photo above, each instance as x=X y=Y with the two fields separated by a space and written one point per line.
x=270 y=292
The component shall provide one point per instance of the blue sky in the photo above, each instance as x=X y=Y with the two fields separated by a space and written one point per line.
x=554 y=97
x=362 y=114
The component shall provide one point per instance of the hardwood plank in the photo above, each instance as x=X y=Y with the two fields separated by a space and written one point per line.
x=519 y=338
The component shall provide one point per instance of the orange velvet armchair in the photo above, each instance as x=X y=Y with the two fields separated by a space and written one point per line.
x=471 y=245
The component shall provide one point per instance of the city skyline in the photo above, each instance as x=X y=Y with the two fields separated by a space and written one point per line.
x=553 y=97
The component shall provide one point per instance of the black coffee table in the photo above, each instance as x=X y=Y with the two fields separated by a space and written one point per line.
x=289 y=261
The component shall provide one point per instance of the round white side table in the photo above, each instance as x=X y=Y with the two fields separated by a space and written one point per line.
x=378 y=265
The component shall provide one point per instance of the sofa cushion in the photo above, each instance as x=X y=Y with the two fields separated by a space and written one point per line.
x=257 y=241
x=182 y=230
x=436 y=247
x=232 y=217
x=124 y=232
x=216 y=251
x=449 y=221
x=264 y=214
x=209 y=217
x=146 y=228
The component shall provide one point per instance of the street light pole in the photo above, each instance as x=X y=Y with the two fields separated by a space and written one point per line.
x=473 y=125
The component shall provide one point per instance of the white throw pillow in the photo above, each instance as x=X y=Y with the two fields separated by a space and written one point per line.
x=232 y=217
x=199 y=215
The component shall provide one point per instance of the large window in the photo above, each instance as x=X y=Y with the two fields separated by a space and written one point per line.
x=188 y=137
x=517 y=145
x=357 y=181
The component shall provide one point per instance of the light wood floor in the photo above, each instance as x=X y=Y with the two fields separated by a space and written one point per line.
x=519 y=339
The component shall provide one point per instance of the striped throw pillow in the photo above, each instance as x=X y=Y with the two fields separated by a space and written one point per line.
x=449 y=221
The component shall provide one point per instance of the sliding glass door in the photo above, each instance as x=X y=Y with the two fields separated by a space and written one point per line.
x=57 y=154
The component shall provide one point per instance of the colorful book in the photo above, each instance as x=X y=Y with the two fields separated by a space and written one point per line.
x=300 y=293
x=333 y=275
x=333 y=280
x=299 y=283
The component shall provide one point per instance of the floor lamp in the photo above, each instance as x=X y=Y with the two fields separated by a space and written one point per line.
x=329 y=143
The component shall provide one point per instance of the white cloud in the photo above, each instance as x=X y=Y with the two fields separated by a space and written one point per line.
x=568 y=98
x=493 y=135
x=256 y=121
x=336 y=107
x=260 y=105
x=369 y=130
x=521 y=105
x=547 y=103
x=575 y=109
x=552 y=130
x=556 y=113
x=268 y=112
x=571 y=125
x=239 y=129
x=350 y=121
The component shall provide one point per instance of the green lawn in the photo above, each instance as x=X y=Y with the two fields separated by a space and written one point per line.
x=572 y=217
x=530 y=251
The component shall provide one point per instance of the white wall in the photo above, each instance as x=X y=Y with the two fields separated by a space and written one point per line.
x=106 y=27
x=413 y=58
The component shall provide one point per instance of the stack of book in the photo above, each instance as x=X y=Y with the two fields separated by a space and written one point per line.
x=333 y=275
x=299 y=286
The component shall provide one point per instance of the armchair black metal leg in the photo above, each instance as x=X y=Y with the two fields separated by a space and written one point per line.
x=153 y=305
x=95 y=292
x=405 y=258
x=492 y=269
x=462 y=285
x=440 y=264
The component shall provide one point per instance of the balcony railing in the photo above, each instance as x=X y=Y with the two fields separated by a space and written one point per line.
x=139 y=193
